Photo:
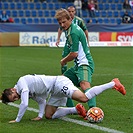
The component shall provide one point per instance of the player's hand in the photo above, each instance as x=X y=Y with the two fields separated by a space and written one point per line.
x=57 y=43
x=62 y=62
x=13 y=121
x=36 y=119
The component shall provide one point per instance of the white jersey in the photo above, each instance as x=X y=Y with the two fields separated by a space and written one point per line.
x=38 y=87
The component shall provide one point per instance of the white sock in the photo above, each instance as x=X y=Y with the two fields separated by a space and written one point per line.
x=96 y=90
x=64 y=111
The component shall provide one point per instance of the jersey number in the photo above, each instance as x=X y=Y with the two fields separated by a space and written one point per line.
x=64 y=90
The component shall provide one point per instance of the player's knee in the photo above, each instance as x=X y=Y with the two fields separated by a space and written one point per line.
x=48 y=116
x=83 y=99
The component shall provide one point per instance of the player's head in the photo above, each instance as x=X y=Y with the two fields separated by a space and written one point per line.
x=72 y=11
x=9 y=95
x=63 y=17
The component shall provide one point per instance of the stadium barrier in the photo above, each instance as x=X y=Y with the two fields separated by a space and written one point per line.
x=9 y=39
x=46 y=35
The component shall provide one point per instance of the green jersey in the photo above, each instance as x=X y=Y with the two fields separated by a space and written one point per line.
x=78 y=21
x=77 y=42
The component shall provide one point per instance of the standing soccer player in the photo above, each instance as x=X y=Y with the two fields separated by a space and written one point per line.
x=78 y=21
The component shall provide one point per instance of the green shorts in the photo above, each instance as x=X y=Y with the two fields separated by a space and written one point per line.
x=81 y=73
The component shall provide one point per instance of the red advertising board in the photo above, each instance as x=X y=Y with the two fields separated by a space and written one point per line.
x=116 y=36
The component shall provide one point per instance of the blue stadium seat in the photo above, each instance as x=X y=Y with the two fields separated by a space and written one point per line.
x=12 y=5
x=5 y=5
x=23 y=20
x=103 y=13
x=52 y=13
x=33 y=13
x=106 y=6
x=29 y=20
x=40 y=13
x=31 y=5
x=55 y=21
x=21 y=13
x=97 y=14
x=118 y=20
x=19 y=5
x=38 y=6
x=70 y=4
x=94 y=21
x=106 y=20
x=16 y=20
x=50 y=6
x=14 y=13
x=119 y=6
x=122 y=13
x=100 y=20
x=63 y=5
x=25 y=5
x=116 y=14
x=49 y=20
x=44 y=6
x=8 y=12
x=109 y=14
x=57 y=6
x=116 y=1
x=110 y=1
x=42 y=20
x=113 y=6
x=104 y=1
x=27 y=13
x=84 y=13
x=46 y=13
x=112 y=20
x=100 y=6
x=36 y=20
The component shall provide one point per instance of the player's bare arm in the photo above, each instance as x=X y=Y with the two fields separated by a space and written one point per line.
x=71 y=56
x=59 y=35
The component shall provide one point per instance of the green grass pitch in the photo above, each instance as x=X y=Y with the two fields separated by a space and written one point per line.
x=110 y=62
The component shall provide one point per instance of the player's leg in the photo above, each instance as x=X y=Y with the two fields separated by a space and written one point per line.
x=71 y=75
x=84 y=74
x=53 y=109
x=49 y=111
x=96 y=90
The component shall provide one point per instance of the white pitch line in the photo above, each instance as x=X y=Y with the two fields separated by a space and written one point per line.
x=75 y=121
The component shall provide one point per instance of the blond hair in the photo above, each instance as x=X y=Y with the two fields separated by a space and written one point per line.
x=62 y=13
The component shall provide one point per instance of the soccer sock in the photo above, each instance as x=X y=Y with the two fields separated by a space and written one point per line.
x=63 y=112
x=96 y=90
x=63 y=69
x=92 y=102
x=69 y=103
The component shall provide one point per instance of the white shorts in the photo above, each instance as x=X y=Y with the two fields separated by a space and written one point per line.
x=63 y=89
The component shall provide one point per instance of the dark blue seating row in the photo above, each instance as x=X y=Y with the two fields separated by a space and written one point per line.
x=48 y=20
x=51 y=13
x=108 y=6
x=105 y=20
x=110 y=1
x=31 y=5
x=31 y=20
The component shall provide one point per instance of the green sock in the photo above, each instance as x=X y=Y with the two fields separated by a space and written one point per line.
x=92 y=102
x=63 y=69
x=69 y=103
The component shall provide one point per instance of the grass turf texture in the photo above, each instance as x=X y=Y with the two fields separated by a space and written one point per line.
x=109 y=63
